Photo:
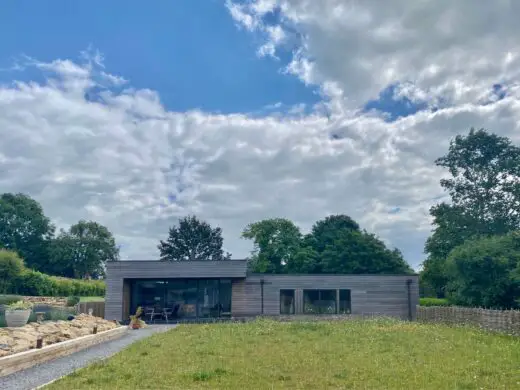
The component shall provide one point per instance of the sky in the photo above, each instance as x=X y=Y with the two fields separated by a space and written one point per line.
x=135 y=114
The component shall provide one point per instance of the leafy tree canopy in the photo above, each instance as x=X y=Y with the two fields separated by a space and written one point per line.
x=276 y=241
x=83 y=250
x=485 y=197
x=335 y=245
x=485 y=272
x=342 y=247
x=25 y=229
x=192 y=240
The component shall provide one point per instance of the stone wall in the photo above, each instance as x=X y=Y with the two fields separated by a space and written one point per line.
x=506 y=321
x=14 y=340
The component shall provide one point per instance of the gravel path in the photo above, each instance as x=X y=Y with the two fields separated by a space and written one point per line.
x=42 y=374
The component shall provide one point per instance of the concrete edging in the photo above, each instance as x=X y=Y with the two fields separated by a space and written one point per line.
x=20 y=361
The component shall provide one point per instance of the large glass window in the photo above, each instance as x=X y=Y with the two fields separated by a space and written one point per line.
x=183 y=298
x=286 y=301
x=209 y=298
x=319 y=302
x=345 y=304
x=225 y=297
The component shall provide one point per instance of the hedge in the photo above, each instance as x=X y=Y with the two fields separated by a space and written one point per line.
x=434 y=302
x=35 y=283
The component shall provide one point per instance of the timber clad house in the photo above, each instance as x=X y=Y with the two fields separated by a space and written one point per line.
x=184 y=290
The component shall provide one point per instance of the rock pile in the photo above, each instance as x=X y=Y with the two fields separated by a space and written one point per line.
x=14 y=340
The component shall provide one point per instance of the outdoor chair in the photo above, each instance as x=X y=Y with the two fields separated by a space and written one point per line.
x=167 y=313
x=152 y=313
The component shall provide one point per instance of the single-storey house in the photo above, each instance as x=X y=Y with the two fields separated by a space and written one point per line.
x=205 y=289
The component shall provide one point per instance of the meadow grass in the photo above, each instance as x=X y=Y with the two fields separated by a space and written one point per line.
x=265 y=354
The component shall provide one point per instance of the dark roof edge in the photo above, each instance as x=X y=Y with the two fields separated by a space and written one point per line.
x=260 y=274
x=182 y=261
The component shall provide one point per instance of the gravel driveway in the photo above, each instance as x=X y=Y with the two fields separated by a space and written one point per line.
x=42 y=374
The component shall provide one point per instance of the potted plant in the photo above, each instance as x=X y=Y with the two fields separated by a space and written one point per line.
x=135 y=320
x=17 y=313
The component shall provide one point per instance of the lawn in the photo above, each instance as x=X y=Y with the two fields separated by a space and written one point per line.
x=375 y=354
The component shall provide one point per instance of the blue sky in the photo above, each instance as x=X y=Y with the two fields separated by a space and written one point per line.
x=190 y=51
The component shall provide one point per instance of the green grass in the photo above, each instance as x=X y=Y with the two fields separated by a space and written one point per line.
x=91 y=299
x=375 y=354
x=434 y=302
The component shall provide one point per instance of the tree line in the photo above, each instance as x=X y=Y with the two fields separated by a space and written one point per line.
x=336 y=244
x=79 y=252
x=473 y=253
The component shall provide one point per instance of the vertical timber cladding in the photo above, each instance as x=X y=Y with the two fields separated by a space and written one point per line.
x=370 y=294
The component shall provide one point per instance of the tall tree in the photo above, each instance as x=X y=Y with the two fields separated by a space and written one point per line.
x=485 y=197
x=342 y=247
x=193 y=240
x=83 y=250
x=25 y=229
x=276 y=242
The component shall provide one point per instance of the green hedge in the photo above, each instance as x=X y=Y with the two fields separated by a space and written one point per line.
x=35 y=283
x=434 y=302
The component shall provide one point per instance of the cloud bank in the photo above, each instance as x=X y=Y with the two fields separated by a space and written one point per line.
x=86 y=144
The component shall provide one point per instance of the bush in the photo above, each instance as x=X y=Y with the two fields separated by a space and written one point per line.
x=20 y=305
x=484 y=272
x=434 y=302
x=11 y=266
x=72 y=301
x=35 y=283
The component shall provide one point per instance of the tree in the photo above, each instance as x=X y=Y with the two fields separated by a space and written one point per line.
x=484 y=272
x=342 y=247
x=306 y=259
x=276 y=242
x=11 y=266
x=83 y=250
x=193 y=240
x=485 y=197
x=25 y=229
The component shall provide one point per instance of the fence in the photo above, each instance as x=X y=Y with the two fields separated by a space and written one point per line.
x=507 y=321
x=98 y=308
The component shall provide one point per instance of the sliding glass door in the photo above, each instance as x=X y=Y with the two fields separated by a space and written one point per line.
x=183 y=298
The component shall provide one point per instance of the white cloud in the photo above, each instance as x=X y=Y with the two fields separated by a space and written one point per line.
x=125 y=160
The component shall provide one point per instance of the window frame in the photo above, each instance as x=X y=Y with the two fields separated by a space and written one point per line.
x=319 y=305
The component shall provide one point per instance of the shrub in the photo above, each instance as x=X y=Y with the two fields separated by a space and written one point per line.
x=8 y=299
x=37 y=284
x=11 y=266
x=72 y=300
x=20 y=305
x=434 y=302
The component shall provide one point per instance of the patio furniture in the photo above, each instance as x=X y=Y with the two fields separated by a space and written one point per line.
x=152 y=312
x=167 y=313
